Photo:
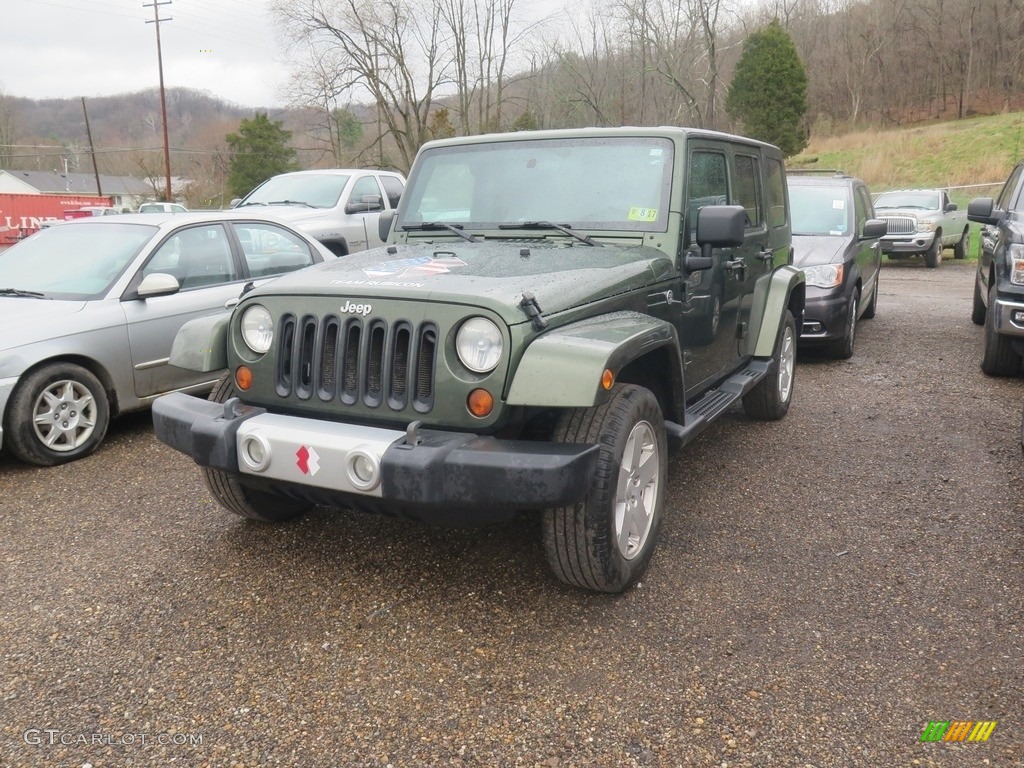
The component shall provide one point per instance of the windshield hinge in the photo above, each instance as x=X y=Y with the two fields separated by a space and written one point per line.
x=533 y=311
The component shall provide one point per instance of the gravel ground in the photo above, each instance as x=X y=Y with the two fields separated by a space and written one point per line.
x=824 y=587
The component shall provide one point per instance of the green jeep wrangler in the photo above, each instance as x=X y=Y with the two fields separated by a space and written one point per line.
x=553 y=312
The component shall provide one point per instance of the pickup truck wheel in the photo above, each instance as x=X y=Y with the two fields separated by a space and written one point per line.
x=605 y=541
x=770 y=398
x=58 y=414
x=842 y=349
x=999 y=358
x=960 y=249
x=933 y=256
x=978 y=306
x=237 y=498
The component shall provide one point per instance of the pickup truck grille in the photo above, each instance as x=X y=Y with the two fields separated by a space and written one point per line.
x=370 y=363
x=900 y=225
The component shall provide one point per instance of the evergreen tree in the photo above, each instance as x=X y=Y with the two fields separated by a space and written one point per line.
x=768 y=92
x=259 y=150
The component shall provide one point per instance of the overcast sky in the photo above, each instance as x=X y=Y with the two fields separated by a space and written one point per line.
x=73 y=48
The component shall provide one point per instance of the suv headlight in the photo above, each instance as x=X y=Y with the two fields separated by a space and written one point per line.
x=257 y=328
x=478 y=344
x=925 y=225
x=824 y=276
x=1016 y=263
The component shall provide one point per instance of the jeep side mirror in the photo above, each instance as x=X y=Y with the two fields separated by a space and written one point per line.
x=384 y=224
x=982 y=211
x=874 y=228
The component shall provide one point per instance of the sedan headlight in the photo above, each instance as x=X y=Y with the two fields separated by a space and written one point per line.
x=1017 y=264
x=257 y=328
x=478 y=344
x=925 y=225
x=824 y=276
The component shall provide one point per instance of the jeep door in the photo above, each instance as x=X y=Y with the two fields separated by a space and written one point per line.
x=711 y=297
x=753 y=259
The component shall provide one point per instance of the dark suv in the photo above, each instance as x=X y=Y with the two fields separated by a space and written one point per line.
x=554 y=309
x=999 y=282
x=836 y=244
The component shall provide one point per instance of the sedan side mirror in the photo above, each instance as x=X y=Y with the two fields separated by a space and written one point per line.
x=158 y=284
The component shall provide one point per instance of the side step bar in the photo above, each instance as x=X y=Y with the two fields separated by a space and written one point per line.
x=701 y=413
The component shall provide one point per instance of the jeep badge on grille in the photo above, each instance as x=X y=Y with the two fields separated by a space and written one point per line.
x=356 y=309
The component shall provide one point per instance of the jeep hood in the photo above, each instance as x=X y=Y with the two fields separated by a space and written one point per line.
x=813 y=250
x=492 y=274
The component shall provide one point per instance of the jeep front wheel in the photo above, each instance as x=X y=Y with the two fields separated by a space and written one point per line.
x=235 y=497
x=770 y=398
x=605 y=541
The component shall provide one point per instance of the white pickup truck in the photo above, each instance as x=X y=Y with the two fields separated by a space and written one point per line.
x=921 y=223
x=339 y=207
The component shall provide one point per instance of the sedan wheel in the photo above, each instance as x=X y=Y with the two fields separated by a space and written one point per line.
x=58 y=414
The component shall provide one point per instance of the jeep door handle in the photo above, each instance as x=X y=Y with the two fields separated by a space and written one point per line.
x=736 y=267
x=768 y=256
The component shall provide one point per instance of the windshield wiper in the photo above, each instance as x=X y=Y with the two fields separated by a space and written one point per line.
x=289 y=202
x=427 y=225
x=563 y=228
x=20 y=292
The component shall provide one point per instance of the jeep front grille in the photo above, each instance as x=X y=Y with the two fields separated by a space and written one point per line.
x=900 y=225
x=357 y=361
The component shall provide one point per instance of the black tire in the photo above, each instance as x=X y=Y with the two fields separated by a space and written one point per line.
x=842 y=349
x=585 y=544
x=999 y=357
x=978 y=306
x=869 y=313
x=770 y=398
x=960 y=249
x=57 y=414
x=933 y=256
x=237 y=498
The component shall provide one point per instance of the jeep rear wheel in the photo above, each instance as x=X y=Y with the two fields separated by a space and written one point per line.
x=999 y=357
x=770 y=398
x=605 y=541
x=237 y=498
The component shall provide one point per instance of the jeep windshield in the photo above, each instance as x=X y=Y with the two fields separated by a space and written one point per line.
x=308 y=189
x=581 y=183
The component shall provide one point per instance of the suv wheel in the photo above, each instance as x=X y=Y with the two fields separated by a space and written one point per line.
x=605 y=542
x=999 y=358
x=933 y=257
x=237 y=498
x=960 y=249
x=842 y=349
x=770 y=398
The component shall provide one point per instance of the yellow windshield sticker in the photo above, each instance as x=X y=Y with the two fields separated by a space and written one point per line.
x=643 y=214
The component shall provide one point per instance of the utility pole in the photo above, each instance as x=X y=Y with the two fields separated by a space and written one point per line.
x=92 y=149
x=163 y=99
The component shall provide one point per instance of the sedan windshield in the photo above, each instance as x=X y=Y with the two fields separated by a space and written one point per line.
x=590 y=183
x=74 y=261
x=820 y=210
x=309 y=189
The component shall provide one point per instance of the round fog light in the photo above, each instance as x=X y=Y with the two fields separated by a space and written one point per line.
x=363 y=469
x=255 y=452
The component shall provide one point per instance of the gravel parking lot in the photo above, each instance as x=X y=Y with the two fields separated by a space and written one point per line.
x=824 y=587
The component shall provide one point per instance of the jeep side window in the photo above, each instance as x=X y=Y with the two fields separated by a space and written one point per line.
x=709 y=185
x=775 y=192
x=748 y=189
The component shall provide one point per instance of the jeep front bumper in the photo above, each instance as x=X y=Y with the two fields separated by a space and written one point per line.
x=441 y=469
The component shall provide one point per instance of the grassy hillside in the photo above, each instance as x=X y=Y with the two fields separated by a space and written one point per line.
x=978 y=150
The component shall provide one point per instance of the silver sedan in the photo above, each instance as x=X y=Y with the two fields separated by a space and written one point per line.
x=89 y=311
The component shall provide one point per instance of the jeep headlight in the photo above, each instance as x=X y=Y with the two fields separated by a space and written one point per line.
x=925 y=225
x=478 y=344
x=257 y=328
x=1017 y=264
x=824 y=276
